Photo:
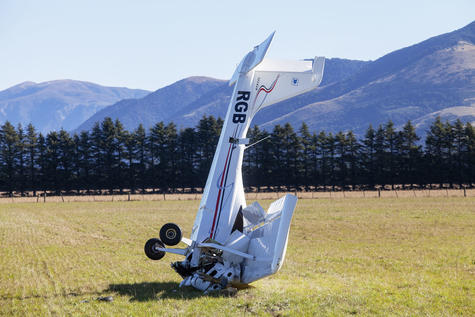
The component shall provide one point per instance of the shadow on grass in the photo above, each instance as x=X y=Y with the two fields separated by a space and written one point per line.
x=147 y=291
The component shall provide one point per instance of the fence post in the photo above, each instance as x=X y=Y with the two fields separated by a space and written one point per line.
x=464 y=192
x=379 y=192
x=44 y=196
x=128 y=197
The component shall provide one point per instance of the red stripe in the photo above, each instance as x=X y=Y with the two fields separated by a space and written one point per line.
x=219 y=192
x=267 y=90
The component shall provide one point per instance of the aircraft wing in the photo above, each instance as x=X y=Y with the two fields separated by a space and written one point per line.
x=276 y=80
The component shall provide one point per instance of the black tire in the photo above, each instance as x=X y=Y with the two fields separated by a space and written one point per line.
x=170 y=234
x=151 y=249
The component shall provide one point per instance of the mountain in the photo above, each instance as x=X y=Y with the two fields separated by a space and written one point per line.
x=59 y=103
x=187 y=101
x=434 y=77
x=165 y=104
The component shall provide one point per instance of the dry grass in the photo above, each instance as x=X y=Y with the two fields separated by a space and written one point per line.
x=388 y=256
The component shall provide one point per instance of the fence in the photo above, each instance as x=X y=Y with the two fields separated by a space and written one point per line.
x=418 y=193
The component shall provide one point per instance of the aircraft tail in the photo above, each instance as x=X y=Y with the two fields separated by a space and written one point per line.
x=252 y=59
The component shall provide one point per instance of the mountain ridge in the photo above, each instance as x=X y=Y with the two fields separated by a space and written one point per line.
x=418 y=82
x=55 y=104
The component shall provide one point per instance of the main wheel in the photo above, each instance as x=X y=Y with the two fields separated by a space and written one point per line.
x=170 y=234
x=151 y=249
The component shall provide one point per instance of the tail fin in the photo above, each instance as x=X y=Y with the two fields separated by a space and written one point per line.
x=252 y=59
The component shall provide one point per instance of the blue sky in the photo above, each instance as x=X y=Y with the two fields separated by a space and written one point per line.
x=149 y=44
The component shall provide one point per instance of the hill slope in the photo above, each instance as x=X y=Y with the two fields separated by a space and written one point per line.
x=60 y=103
x=165 y=104
x=407 y=84
x=186 y=101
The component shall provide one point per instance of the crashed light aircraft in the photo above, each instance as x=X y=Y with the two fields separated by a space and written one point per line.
x=232 y=242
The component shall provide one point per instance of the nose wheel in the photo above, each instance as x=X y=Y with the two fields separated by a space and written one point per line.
x=151 y=249
x=170 y=234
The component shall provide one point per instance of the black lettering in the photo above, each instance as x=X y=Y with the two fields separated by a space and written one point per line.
x=239 y=118
x=243 y=95
x=241 y=106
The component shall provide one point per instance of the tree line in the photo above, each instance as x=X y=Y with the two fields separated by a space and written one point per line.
x=164 y=159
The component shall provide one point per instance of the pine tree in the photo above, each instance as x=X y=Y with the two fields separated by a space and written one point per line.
x=170 y=155
x=42 y=163
x=469 y=161
x=52 y=160
x=20 y=159
x=208 y=131
x=249 y=167
x=130 y=155
x=65 y=158
x=379 y=156
x=85 y=162
x=320 y=157
x=76 y=163
x=353 y=148
x=31 y=157
x=330 y=148
x=187 y=167
x=435 y=152
x=96 y=157
x=141 y=145
x=368 y=156
x=277 y=163
x=157 y=151
x=305 y=162
x=8 y=153
x=340 y=153
x=390 y=145
x=410 y=155
x=109 y=151
x=119 y=145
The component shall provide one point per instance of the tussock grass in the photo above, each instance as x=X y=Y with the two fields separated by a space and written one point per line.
x=406 y=256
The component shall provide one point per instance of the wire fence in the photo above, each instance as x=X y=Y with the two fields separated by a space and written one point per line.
x=416 y=193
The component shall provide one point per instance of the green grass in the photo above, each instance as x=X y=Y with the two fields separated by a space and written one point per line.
x=345 y=257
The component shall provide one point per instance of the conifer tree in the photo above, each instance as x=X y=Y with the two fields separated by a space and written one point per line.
x=369 y=156
x=141 y=145
x=410 y=154
x=32 y=156
x=187 y=167
x=435 y=152
x=20 y=164
x=65 y=157
x=8 y=153
x=305 y=163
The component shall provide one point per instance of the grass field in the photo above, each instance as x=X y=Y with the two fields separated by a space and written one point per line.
x=406 y=256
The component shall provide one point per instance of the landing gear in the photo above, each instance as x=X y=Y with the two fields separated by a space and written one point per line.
x=170 y=234
x=151 y=249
